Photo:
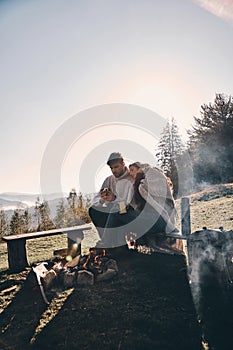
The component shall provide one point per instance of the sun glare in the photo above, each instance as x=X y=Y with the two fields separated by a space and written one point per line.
x=222 y=9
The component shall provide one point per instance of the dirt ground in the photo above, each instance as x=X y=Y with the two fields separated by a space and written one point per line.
x=147 y=306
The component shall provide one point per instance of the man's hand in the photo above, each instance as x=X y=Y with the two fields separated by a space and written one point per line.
x=107 y=195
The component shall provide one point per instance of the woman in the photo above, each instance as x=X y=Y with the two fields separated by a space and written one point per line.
x=153 y=197
x=152 y=188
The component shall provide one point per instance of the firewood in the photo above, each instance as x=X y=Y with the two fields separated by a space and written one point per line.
x=74 y=262
x=49 y=278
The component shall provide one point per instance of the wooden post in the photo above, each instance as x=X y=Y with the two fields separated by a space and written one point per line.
x=17 y=255
x=185 y=216
x=186 y=226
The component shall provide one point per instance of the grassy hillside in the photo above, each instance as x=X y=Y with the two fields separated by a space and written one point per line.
x=212 y=207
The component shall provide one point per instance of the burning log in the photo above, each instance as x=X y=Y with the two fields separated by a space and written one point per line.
x=49 y=279
x=99 y=266
x=74 y=262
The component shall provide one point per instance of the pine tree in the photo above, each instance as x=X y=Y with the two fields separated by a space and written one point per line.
x=72 y=210
x=211 y=141
x=82 y=208
x=170 y=149
x=78 y=208
x=16 y=223
x=4 y=226
x=72 y=200
x=27 y=221
x=215 y=122
x=61 y=218
x=37 y=213
x=42 y=213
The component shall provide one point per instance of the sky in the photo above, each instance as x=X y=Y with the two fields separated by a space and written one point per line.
x=74 y=74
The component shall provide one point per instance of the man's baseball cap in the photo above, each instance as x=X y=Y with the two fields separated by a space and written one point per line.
x=114 y=156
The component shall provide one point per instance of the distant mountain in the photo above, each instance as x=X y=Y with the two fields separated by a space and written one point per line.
x=26 y=197
x=11 y=204
x=10 y=201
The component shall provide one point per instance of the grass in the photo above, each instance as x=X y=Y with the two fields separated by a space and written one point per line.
x=211 y=208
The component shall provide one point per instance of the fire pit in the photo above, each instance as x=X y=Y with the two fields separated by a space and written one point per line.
x=82 y=270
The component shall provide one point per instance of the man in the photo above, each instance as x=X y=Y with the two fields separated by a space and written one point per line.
x=115 y=195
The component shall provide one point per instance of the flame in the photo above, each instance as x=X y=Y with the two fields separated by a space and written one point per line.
x=86 y=262
x=94 y=259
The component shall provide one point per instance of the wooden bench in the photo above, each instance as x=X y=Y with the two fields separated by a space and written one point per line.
x=17 y=248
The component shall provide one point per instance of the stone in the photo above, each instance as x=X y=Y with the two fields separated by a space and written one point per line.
x=112 y=264
x=69 y=279
x=85 y=277
x=108 y=274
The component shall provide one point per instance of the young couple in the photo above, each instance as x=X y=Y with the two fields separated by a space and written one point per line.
x=137 y=199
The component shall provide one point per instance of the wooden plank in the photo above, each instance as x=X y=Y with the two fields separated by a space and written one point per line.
x=17 y=255
x=17 y=250
x=177 y=236
x=32 y=235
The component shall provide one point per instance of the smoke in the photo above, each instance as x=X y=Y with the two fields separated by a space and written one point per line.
x=211 y=263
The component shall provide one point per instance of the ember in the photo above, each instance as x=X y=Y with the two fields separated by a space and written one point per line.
x=96 y=263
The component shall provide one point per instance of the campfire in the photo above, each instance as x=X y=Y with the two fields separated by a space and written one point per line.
x=81 y=270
